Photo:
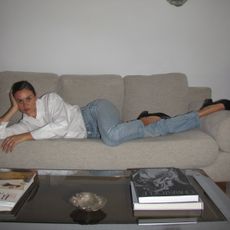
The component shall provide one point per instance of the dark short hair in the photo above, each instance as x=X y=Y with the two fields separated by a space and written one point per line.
x=20 y=85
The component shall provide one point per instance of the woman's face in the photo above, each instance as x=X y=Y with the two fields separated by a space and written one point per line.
x=26 y=101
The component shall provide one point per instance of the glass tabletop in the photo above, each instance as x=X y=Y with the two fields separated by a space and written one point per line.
x=49 y=201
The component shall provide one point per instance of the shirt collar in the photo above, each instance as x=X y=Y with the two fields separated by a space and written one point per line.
x=39 y=110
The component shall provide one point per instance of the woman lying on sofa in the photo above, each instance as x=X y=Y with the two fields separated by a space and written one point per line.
x=51 y=117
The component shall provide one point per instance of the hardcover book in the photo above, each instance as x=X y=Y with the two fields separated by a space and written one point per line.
x=167 y=221
x=163 y=185
x=175 y=206
x=177 y=209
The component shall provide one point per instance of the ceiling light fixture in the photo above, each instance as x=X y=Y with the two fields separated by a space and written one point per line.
x=177 y=2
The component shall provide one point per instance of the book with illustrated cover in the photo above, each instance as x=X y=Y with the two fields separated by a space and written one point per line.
x=176 y=209
x=175 y=206
x=163 y=185
x=13 y=186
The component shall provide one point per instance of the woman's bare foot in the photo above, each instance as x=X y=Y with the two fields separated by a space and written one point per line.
x=149 y=120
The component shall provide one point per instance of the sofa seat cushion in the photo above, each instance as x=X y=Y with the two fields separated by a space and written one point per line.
x=192 y=149
x=167 y=93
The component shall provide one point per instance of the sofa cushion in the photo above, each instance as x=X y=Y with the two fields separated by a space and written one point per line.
x=42 y=82
x=82 y=89
x=197 y=95
x=166 y=93
x=192 y=149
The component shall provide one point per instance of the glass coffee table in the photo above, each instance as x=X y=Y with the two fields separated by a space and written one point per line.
x=49 y=205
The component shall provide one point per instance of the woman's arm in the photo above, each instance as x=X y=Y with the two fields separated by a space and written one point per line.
x=10 y=142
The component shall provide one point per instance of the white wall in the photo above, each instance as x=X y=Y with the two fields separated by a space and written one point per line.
x=119 y=36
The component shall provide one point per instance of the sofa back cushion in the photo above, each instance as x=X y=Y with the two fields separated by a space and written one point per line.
x=42 y=82
x=82 y=89
x=166 y=93
x=197 y=95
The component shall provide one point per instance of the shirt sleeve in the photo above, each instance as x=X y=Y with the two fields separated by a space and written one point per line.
x=12 y=130
x=57 y=126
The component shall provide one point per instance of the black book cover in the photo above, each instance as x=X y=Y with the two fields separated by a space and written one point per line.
x=163 y=185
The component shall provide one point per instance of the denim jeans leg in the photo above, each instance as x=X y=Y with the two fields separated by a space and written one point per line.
x=112 y=129
x=176 y=124
x=103 y=121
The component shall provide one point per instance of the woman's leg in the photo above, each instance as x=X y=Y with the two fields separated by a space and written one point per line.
x=179 y=123
x=210 y=109
x=112 y=129
x=176 y=124
x=205 y=111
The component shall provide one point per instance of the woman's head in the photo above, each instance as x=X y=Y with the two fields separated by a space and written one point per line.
x=25 y=97
x=22 y=85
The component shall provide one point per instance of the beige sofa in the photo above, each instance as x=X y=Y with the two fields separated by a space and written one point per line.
x=207 y=148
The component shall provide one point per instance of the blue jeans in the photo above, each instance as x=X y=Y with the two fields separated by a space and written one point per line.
x=102 y=120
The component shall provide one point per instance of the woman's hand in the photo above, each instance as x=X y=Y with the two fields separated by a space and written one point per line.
x=14 y=104
x=10 y=142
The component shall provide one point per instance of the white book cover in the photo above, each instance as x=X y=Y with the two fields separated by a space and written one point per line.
x=11 y=190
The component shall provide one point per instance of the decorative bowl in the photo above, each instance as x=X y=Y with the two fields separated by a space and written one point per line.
x=88 y=201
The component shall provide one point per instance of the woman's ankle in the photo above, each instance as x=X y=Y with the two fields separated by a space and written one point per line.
x=211 y=109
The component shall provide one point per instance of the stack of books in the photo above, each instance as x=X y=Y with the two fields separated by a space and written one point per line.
x=163 y=193
x=15 y=188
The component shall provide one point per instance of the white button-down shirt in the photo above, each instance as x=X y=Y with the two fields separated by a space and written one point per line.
x=55 y=119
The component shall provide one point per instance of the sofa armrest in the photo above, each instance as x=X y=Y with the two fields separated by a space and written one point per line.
x=217 y=125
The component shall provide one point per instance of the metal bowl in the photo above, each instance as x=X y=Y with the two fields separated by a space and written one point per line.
x=88 y=201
